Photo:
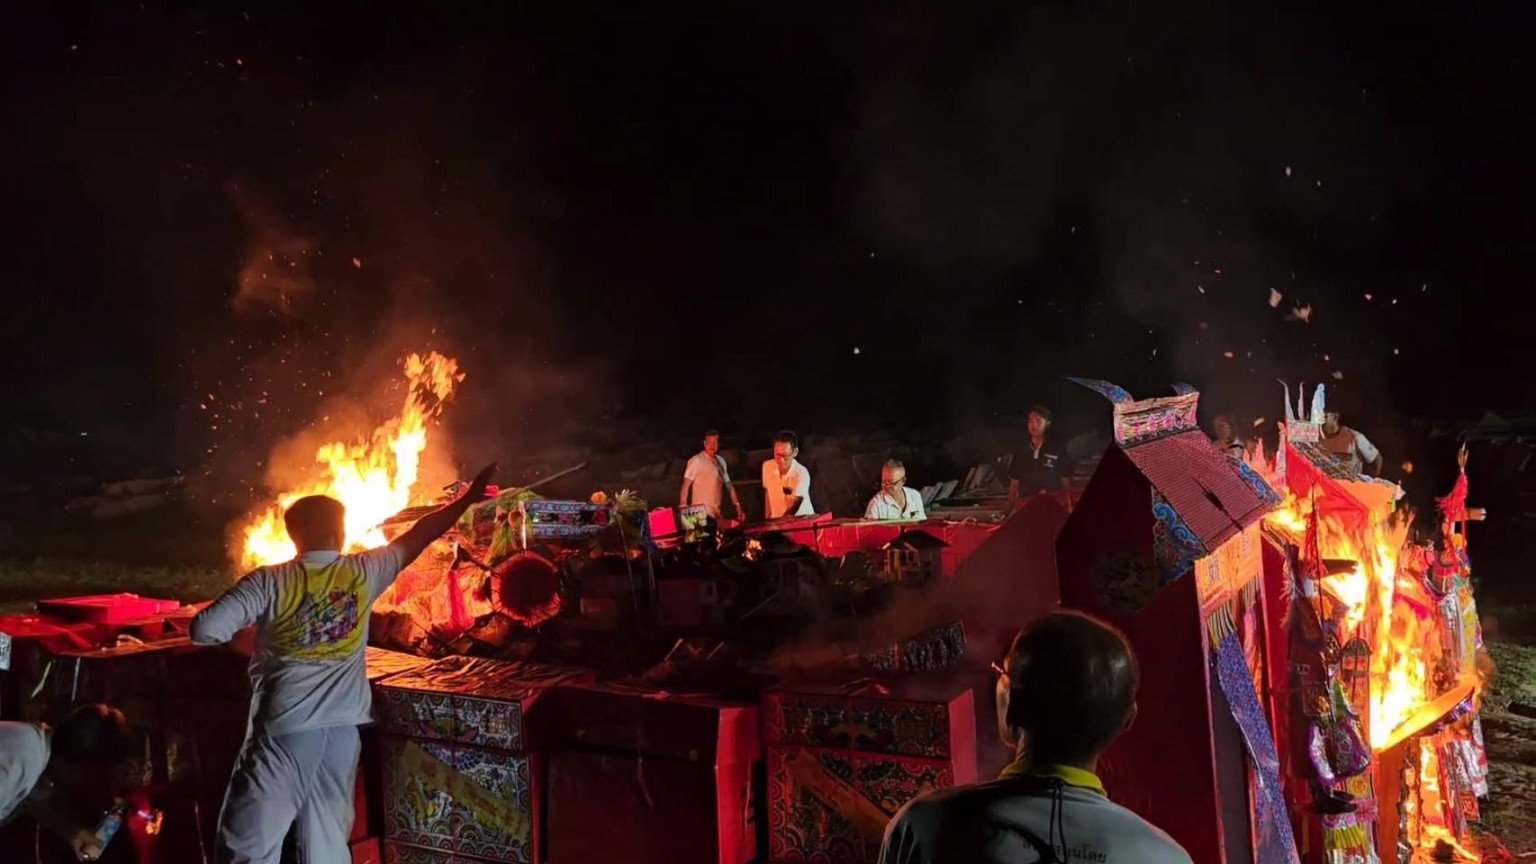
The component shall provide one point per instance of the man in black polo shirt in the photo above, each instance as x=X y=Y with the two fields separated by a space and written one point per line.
x=1039 y=465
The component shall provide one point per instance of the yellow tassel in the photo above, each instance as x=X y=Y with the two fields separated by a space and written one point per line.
x=1344 y=837
x=1251 y=592
x=1220 y=623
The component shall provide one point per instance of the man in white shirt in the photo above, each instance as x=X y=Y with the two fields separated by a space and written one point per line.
x=786 y=483
x=1351 y=446
x=1065 y=691
x=706 y=476
x=309 y=690
x=91 y=739
x=895 y=500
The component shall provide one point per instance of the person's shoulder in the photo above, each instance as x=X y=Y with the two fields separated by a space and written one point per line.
x=19 y=729
x=389 y=555
x=268 y=572
x=935 y=807
x=23 y=738
x=1149 y=842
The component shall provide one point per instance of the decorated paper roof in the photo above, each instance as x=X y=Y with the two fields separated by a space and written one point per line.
x=1206 y=487
x=916 y=540
x=1201 y=497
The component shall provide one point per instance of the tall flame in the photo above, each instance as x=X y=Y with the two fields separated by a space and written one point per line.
x=1368 y=594
x=373 y=478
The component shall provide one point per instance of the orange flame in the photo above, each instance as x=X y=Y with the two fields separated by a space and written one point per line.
x=373 y=478
x=1367 y=595
x=1435 y=805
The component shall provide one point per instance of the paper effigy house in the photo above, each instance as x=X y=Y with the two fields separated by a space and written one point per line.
x=914 y=557
x=1165 y=544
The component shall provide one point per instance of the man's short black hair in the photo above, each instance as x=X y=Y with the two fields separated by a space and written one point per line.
x=315 y=522
x=1073 y=684
x=1044 y=412
x=787 y=437
x=711 y=433
x=94 y=735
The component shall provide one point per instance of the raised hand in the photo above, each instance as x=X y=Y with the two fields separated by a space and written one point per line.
x=477 y=486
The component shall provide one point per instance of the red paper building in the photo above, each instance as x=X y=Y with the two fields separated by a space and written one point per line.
x=463 y=761
x=664 y=777
x=843 y=759
x=1163 y=502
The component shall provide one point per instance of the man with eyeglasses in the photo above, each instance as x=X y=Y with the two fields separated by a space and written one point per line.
x=895 y=500
x=1065 y=691
x=786 y=483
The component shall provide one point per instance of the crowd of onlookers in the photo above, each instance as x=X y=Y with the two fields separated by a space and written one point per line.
x=1037 y=461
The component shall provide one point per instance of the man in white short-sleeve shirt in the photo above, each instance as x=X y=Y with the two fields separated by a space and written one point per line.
x=1351 y=446
x=895 y=500
x=309 y=688
x=706 y=478
x=786 y=483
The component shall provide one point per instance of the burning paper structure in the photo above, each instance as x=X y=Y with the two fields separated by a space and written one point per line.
x=1345 y=656
x=1378 y=655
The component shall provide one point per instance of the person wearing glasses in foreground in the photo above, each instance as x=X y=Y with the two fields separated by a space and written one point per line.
x=1065 y=691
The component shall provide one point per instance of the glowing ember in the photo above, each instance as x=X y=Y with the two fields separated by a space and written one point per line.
x=373 y=477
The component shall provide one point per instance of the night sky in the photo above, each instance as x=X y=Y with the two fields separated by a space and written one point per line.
x=641 y=222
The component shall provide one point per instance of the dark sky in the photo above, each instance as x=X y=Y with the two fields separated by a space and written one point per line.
x=754 y=215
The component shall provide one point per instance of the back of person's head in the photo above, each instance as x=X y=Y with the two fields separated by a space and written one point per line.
x=1071 y=687
x=93 y=735
x=316 y=522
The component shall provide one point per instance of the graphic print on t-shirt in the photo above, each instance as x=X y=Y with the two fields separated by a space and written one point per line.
x=317 y=618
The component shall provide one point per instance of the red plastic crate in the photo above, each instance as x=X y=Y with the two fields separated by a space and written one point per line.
x=106 y=608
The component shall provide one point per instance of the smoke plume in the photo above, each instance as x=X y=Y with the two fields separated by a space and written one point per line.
x=275 y=271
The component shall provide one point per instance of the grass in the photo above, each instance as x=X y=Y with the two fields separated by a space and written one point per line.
x=23 y=581
x=1509 y=812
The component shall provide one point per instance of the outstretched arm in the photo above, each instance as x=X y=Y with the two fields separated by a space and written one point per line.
x=235 y=610
x=435 y=524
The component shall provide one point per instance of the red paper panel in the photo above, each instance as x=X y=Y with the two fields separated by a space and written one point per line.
x=649 y=810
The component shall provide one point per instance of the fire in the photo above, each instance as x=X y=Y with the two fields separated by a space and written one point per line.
x=372 y=477
x=1433 y=796
x=1367 y=596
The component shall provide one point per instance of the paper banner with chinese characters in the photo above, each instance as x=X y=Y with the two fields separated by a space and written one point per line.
x=488 y=808
x=1226 y=574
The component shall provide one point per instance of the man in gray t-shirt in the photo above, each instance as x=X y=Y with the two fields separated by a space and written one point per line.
x=309 y=687
x=1066 y=690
